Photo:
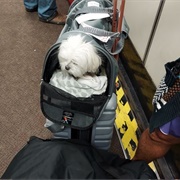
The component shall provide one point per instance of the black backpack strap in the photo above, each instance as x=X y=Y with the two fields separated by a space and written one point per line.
x=167 y=113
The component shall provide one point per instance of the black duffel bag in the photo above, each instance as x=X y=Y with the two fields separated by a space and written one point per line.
x=72 y=159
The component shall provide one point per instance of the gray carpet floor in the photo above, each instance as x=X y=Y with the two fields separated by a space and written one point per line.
x=24 y=41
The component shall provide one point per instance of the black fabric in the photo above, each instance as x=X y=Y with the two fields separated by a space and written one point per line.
x=51 y=64
x=68 y=159
x=171 y=77
x=167 y=113
x=63 y=108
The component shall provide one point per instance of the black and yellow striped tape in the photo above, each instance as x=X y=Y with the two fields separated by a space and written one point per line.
x=126 y=125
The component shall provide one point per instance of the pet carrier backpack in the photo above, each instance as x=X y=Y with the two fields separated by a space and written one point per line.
x=89 y=118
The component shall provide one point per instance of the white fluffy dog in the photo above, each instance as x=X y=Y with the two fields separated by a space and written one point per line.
x=78 y=57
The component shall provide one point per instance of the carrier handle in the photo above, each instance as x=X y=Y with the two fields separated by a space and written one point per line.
x=119 y=44
x=109 y=38
x=93 y=9
x=103 y=35
x=87 y=10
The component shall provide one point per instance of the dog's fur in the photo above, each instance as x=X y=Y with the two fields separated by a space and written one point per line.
x=78 y=57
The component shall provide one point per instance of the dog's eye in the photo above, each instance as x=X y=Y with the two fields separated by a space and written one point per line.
x=74 y=62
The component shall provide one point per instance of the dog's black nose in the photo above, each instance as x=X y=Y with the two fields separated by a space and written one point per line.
x=67 y=68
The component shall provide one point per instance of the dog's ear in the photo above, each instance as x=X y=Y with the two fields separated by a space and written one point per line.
x=96 y=63
x=93 y=58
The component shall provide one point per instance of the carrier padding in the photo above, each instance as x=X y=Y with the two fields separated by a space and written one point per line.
x=102 y=130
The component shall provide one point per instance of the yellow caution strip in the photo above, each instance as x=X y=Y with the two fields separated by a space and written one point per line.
x=126 y=123
x=126 y=126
